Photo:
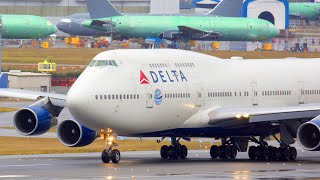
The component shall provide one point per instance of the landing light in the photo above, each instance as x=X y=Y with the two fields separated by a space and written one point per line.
x=110 y=139
x=246 y=115
x=238 y=116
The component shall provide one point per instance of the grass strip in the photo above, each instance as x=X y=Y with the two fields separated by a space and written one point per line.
x=25 y=145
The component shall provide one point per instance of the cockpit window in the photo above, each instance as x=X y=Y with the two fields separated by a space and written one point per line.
x=114 y=63
x=92 y=63
x=101 y=63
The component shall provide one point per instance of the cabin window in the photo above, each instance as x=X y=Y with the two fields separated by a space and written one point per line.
x=97 y=97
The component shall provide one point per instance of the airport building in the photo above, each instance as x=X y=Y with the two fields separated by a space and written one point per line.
x=30 y=81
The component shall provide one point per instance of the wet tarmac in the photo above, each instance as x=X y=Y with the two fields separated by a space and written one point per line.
x=148 y=165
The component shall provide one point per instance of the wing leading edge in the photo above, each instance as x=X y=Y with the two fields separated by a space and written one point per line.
x=56 y=99
x=226 y=116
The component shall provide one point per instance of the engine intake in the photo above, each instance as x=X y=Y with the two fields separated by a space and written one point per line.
x=309 y=135
x=72 y=134
x=33 y=121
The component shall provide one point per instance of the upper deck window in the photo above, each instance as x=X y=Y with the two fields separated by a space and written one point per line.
x=102 y=63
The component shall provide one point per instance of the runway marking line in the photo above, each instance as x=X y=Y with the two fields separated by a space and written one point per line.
x=14 y=176
x=23 y=165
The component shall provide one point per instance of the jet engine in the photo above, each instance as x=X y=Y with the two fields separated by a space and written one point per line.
x=309 y=135
x=72 y=134
x=33 y=121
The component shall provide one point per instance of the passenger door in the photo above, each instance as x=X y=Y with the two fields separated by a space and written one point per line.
x=254 y=89
x=301 y=92
x=149 y=96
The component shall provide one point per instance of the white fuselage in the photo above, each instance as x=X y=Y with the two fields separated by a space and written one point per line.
x=181 y=87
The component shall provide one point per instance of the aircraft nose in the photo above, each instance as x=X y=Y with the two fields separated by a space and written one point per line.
x=77 y=102
x=55 y=28
x=60 y=26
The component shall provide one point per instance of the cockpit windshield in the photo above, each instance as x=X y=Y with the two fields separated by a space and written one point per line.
x=101 y=63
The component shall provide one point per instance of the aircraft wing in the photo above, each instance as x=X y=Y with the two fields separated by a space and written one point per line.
x=228 y=117
x=198 y=33
x=56 y=99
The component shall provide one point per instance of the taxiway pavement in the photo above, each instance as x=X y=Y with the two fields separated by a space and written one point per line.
x=148 y=165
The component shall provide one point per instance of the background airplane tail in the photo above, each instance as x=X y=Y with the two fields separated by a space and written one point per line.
x=227 y=8
x=4 y=80
x=101 y=9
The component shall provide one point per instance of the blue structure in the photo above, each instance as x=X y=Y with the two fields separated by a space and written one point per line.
x=4 y=80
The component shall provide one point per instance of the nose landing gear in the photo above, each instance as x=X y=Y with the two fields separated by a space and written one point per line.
x=109 y=153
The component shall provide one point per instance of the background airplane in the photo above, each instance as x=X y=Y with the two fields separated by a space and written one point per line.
x=183 y=94
x=180 y=27
x=26 y=27
x=72 y=24
x=307 y=11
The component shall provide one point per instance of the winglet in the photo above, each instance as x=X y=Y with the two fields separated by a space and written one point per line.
x=101 y=9
x=4 y=80
x=227 y=8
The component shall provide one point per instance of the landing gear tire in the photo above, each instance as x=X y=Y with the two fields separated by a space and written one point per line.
x=184 y=152
x=272 y=153
x=233 y=152
x=285 y=153
x=174 y=151
x=224 y=152
x=214 y=151
x=293 y=153
x=105 y=156
x=115 y=156
x=164 y=152
x=252 y=152
x=262 y=153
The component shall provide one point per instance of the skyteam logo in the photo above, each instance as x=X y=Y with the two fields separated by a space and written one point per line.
x=163 y=76
x=158 y=96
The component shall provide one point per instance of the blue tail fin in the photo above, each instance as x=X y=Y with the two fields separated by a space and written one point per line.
x=4 y=80
x=101 y=9
x=227 y=8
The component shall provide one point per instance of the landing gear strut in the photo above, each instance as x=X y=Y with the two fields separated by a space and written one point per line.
x=174 y=151
x=265 y=152
x=109 y=153
x=225 y=151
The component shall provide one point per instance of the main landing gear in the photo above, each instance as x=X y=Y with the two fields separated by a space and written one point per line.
x=265 y=152
x=109 y=153
x=226 y=151
x=174 y=151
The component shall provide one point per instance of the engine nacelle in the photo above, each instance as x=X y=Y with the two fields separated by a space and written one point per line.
x=72 y=134
x=308 y=135
x=33 y=120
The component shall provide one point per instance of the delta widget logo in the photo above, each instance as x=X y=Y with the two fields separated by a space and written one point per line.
x=158 y=96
